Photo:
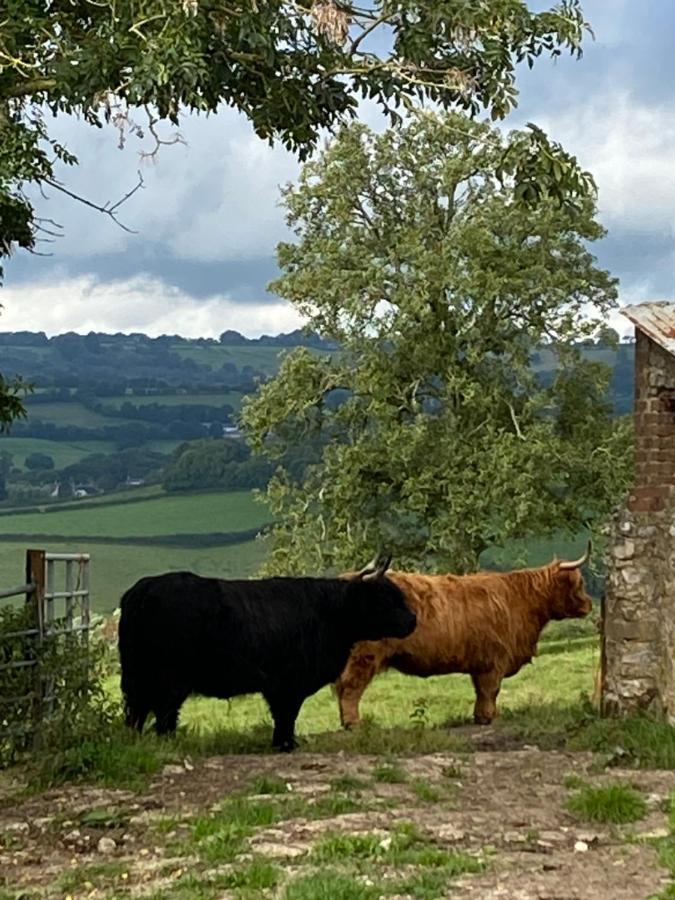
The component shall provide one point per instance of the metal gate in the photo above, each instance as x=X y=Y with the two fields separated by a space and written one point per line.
x=56 y=607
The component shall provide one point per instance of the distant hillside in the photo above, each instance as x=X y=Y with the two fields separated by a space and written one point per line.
x=108 y=410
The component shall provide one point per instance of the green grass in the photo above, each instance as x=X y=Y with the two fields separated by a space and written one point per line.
x=666 y=851
x=348 y=784
x=390 y=773
x=221 y=836
x=267 y=784
x=64 y=453
x=427 y=793
x=88 y=877
x=164 y=515
x=404 y=847
x=329 y=886
x=243 y=725
x=642 y=742
x=115 y=567
x=432 y=884
x=241 y=882
x=339 y=847
x=615 y=804
x=69 y=413
x=390 y=699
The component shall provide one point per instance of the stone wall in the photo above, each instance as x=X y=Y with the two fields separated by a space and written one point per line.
x=639 y=614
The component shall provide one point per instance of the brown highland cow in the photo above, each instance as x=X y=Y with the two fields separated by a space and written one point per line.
x=484 y=625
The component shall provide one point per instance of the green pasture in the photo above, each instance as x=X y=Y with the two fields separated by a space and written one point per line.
x=162 y=515
x=263 y=359
x=64 y=453
x=69 y=413
x=115 y=567
x=400 y=701
x=234 y=398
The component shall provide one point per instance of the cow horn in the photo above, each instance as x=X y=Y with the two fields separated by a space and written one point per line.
x=577 y=563
x=371 y=567
x=382 y=567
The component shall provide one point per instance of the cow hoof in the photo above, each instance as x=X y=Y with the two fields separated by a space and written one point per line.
x=286 y=746
x=482 y=720
x=350 y=726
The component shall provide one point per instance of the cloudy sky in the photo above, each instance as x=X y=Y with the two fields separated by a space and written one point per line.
x=208 y=219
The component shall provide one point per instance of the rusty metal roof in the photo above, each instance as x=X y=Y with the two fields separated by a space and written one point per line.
x=656 y=319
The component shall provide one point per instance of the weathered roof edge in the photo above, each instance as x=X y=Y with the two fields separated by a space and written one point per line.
x=656 y=318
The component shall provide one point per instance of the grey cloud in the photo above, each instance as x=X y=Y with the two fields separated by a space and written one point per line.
x=246 y=280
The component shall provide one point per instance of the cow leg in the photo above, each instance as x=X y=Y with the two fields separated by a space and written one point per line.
x=284 y=712
x=136 y=712
x=166 y=713
x=487 y=686
x=351 y=686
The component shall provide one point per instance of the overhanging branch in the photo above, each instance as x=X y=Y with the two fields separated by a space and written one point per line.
x=108 y=209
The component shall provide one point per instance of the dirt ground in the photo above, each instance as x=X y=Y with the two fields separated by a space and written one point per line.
x=504 y=806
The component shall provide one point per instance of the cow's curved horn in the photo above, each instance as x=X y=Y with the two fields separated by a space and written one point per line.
x=371 y=567
x=577 y=563
x=383 y=565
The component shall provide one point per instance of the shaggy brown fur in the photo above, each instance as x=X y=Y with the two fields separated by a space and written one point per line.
x=485 y=625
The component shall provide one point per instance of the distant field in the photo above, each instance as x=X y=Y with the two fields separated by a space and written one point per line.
x=63 y=414
x=264 y=359
x=232 y=397
x=114 y=568
x=165 y=515
x=162 y=446
x=64 y=453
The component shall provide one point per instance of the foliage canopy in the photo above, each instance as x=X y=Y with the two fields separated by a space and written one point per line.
x=292 y=67
x=440 y=437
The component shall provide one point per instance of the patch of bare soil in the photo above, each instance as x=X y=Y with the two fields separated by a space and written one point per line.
x=506 y=807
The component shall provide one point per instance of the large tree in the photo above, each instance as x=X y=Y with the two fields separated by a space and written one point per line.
x=412 y=253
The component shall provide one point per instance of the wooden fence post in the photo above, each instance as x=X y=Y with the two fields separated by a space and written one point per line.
x=35 y=576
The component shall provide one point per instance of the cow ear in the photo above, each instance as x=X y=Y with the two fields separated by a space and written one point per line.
x=382 y=567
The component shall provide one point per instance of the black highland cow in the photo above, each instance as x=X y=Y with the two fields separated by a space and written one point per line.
x=285 y=638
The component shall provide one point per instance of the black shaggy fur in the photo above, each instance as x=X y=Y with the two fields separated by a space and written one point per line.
x=285 y=638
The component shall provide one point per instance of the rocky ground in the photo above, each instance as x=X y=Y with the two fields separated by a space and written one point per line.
x=492 y=823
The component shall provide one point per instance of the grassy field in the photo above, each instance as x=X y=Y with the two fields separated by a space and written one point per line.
x=115 y=567
x=71 y=413
x=165 y=515
x=395 y=701
x=263 y=359
x=64 y=453
x=234 y=398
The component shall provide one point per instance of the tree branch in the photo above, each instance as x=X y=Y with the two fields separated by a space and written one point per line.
x=30 y=87
x=366 y=31
x=108 y=209
x=159 y=142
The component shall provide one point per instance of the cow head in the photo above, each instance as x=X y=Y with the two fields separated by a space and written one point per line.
x=378 y=606
x=571 y=600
